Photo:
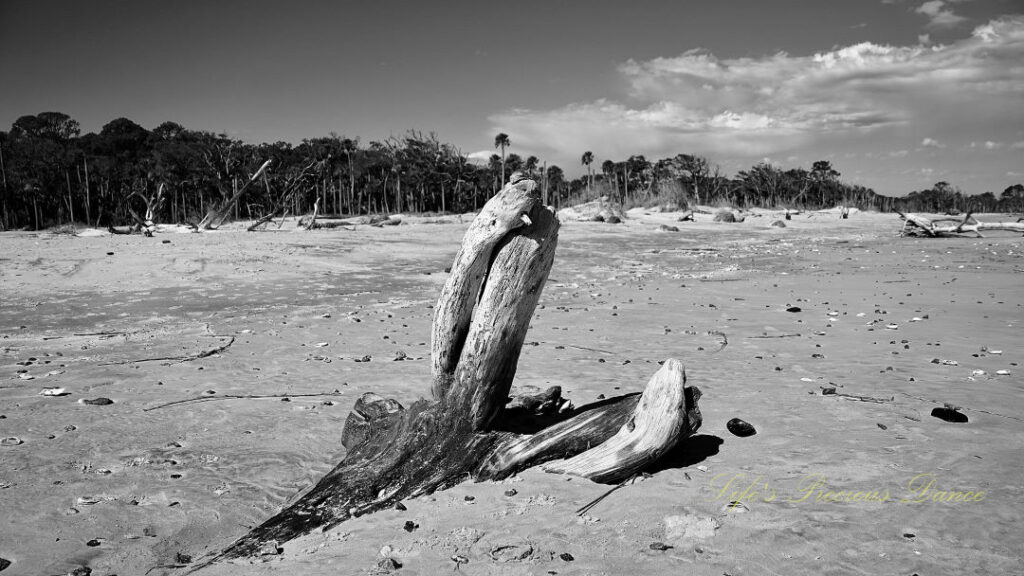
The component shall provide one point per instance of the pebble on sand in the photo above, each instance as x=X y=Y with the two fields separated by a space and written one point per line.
x=949 y=413
x=11 y=441
x=740 y=428
x=101 y=401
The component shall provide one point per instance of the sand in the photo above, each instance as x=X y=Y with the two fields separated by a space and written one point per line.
x=828 y=485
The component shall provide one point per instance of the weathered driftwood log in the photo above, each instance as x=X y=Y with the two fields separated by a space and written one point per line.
x=395 y=453
x=914 y=224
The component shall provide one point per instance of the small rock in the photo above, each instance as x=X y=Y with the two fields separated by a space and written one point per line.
x=660 y=546
x=566 y=556
x=735 y=506
x=400 y=507
x=882 y=426
x=469 y=498
x=101 y=401
x=828 y=390
x=400 y=355
x=793 y=309
x=1003 y=372
x=388 y=564
x=949 y=413
x=81 y=570
x=410 y=526
x=11 y=441
x=53 y=392
x=740 y=428
x=511 y=492
x=665 y=228
x=94 y=542
x=180 y=558
x=779 y=224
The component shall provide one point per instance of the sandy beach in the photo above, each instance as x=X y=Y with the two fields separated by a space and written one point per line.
x=272 y=336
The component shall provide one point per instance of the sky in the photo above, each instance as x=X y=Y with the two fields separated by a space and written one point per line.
x=897 y=94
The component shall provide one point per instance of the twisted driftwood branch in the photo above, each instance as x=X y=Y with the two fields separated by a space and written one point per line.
x=396 y=452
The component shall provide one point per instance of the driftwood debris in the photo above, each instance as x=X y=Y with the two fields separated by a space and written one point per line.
x=917 y=225
x=212 y=397
x=214 y=218
x=396 y=452
x=292 y=186
x=153 y=204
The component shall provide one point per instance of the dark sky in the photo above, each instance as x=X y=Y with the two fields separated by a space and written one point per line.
x=559 y=77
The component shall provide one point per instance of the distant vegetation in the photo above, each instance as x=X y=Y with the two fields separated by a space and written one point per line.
x=51 y=174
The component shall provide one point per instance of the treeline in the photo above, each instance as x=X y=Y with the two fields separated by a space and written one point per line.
x=52 y=174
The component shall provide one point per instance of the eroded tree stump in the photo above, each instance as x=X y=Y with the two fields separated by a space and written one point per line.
x=479 y=325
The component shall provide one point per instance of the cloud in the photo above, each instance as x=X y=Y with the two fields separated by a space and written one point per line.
x=1017 y=145
x=937 y=17
x=757 y=106
x=990 y=145
x=932 y=143
x=480 y=156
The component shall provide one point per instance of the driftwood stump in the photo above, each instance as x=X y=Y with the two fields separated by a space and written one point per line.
x=481 y=319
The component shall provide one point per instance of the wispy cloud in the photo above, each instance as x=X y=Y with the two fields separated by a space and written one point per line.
x=932 y=143
x=938 y=15
x=764 y=105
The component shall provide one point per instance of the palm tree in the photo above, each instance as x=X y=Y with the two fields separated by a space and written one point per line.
x=587 y=158
x=531 y=165
x=502 y=141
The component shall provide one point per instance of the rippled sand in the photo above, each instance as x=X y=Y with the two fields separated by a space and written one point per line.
x=125 y=487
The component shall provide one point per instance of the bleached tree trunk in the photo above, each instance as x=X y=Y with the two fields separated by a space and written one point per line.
x=481 y=319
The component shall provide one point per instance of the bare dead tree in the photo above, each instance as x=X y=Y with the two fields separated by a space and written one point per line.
x=216 y=217
x=292 y=186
